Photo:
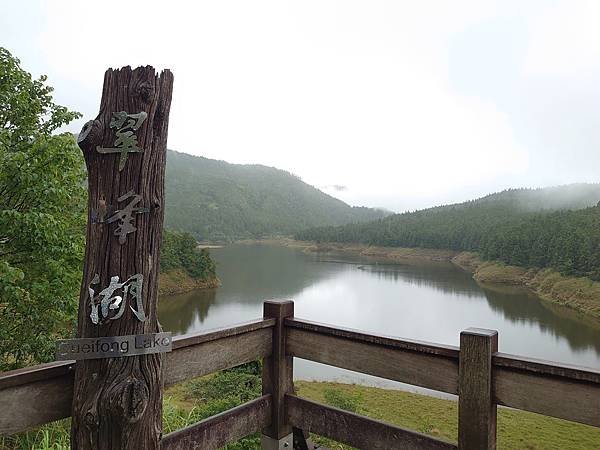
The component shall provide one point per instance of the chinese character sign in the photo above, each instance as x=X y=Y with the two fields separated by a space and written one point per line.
x=126 y=140
x=111 y=301
x=125 y=216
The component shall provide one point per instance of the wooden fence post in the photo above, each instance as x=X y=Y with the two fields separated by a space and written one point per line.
x=277 y=378
x=476 y=407
x=117 y=401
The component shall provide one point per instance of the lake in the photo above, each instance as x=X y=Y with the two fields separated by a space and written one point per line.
x=425 y=301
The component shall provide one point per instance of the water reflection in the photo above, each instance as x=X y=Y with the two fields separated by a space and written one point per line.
x=519 y=305
x=180 y=312
x=252 y=273
x=427 y=301
x=446 y=277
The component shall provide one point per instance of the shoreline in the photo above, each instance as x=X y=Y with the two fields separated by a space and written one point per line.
x=579 y=294
x=177 y=281
x=576 y=293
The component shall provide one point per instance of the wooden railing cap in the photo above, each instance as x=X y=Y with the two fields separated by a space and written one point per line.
x=479 y=332
x=278 y=301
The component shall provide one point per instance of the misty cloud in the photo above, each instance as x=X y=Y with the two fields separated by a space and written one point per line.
x=335 y=187
x=403 y=108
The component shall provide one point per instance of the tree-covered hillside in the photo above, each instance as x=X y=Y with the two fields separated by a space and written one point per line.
x=525 y=227
x=220 y=201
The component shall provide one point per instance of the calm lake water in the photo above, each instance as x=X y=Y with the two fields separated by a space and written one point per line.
x=430 y=302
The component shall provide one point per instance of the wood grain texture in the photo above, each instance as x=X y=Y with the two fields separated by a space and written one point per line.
x=533 y=366
x=36 y=403
x=355 y=430
x=545 y=387
x=117 y=402
x=476 y=406
x=277 y=372
x=216 y=334
x=558 y=390
x=578 y=401
x=212 y=356
x=221 y=429
x=386 y=361
x=41 y=372
x=448 y=351
x=51 y=385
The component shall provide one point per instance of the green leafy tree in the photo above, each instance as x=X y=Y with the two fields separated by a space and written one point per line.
x=42 y=218
x=179 y=251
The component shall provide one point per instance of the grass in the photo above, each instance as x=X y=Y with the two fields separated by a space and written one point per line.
x=53 y=436
x=439 y=418
x=197 y=399
x=578 y=293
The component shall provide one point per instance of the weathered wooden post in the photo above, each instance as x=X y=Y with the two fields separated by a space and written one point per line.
x=277 y=378
x=117 y=401
x=476 y=407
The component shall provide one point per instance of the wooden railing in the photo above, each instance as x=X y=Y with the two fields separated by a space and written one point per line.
x=481 y=377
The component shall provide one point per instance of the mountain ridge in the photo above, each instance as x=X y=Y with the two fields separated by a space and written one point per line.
x=557 y=227
x=217 y=200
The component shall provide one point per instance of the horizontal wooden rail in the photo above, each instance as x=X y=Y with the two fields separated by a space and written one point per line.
x=355 y=430
x=35 y=395
x=203 y=353
x=44 y=393
x=548 y=388
x=413 y=362
x=221 y=429
x=544 y=387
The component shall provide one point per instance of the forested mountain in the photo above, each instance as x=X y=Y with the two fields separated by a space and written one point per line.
x=216 y=200
x=555 y=227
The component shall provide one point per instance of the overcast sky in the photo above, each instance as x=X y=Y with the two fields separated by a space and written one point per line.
x=395 y=104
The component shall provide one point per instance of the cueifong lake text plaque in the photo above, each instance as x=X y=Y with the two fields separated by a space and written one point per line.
x=113 y=346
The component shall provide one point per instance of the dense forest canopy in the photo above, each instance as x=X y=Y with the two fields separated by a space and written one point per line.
x=220 y=201
x=525 y=227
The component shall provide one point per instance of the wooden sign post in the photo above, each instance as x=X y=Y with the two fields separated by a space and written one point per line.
x=117 y=401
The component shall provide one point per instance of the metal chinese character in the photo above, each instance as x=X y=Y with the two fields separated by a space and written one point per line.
x=107 y=301
x=126 y=141
x=125 y=216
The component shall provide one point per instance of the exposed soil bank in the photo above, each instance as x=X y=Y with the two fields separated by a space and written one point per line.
x=578 y=293
x=179 y=282
x=388 y=253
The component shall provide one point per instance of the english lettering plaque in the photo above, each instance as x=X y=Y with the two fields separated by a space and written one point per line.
x=113 y=346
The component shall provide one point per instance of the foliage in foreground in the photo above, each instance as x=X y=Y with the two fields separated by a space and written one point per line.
x=42 y=219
